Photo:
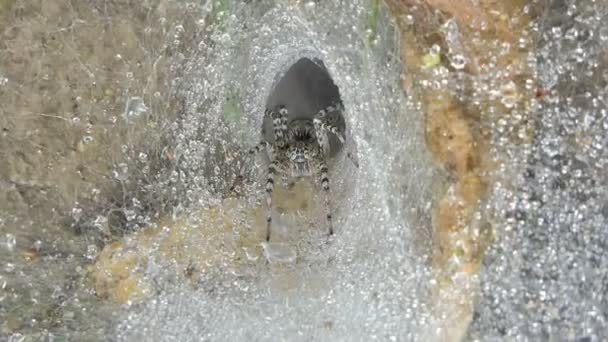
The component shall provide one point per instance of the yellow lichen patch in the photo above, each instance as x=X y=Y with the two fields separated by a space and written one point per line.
x=448 y=135
x=30 y=255
x=213 y=240
x=115 y=274
x=431 y=59
x=491 y=36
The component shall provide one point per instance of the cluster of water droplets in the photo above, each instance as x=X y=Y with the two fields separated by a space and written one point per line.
x=372 y=278
x=545 y=278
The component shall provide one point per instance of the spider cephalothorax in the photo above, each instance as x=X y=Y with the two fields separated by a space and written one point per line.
x=299 y=150
x=302 y=148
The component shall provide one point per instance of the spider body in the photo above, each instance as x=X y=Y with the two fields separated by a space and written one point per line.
x=303 y=148
x=302 y=128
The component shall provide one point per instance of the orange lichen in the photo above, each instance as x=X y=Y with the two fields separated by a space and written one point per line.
x=30 y=255
x=114 y=274
x=448 y=135
x=492 y=36
x=192 y=245
x=454 y=135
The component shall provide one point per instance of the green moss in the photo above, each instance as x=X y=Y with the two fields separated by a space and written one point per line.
x=220 y=8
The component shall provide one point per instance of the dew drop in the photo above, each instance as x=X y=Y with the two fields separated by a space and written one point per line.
x=92 y=252
x=87 y=139
x=603 y=33
x=458 y=62
x=11 y=242
x=121 y=172
x=134 y=107
x=435 y=49
x=509 y=94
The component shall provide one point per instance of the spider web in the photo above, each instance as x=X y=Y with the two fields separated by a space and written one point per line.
x=137 y=116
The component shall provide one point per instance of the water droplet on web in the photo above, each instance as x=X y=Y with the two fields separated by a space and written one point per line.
x=435 y=49
x=279 y=252
x=458 y=62
x=92 y=252
x=121 y=172
x=571 y=34
x=408 y=19
x=250 y=253
x=9 y=267
x=76 y=213
x=11 y=242
x=579 y=55
x=509 y=94
x=603 y=33
x=522 y=42
x=87 y=139
x=134 y=107
x=556 y=31
x=100 y=221
x=505 y=48
x=130 y=215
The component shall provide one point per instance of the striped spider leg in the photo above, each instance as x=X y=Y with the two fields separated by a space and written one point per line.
x=323 y=125
x=279 y=134
x=250 y=154
x=324 y=178
x=279 y=123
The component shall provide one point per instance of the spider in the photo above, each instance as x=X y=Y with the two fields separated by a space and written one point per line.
x=300 y=149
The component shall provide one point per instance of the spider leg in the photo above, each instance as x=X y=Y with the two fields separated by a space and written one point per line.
x=250 y=154
x=257 y=148
x=272 y=170
x=319 y=132
x=350 y=156
x=322 y=124
x=283 y=115
x=279 y=124
x=325 y=185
